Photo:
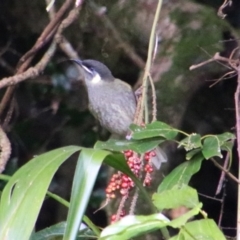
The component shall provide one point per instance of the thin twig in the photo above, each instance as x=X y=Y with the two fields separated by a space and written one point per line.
x=222 y=78
x=136 y=193
x=237 y=111
x=134 y=201
x=220 y=10
x=32 y=71
x=46 y=34
x=154 y=99
x=222 y=206
x=224 y=170
x=212 y=198
x=222 y=178
x=215 y=58
x=137 y=118
x=63 y=43
x=121 y=206
x=209 y=55
x=150 y=55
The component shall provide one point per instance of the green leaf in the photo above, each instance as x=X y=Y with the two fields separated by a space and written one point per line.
x=181 y=175
x=227 y=146
x=192 y=153
x=200 y=229
x=89 y=163
x=155 y=129
x=191 y=142
x=174 y=198
x=23 y=195
x=132 y=225
x=49 y=233
x=211 y=147
x=55 y=232
x=140 y=146
x=224 y=137
x=181 y=221
x=84 y=178
x=85 y=234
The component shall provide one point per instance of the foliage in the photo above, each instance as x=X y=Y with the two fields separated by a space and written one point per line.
x=24 y=193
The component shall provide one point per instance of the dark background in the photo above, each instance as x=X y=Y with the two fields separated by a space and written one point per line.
x=51 y=110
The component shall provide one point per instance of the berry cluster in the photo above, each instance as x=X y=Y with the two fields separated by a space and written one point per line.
x=148 y=167
x=121 y=183
x=118 y=182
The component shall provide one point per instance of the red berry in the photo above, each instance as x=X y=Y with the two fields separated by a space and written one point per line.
x=123 y=191
x=112 y=196
x=152 y=153
x=113 y=218
x=123 y=213
x=108 y=190
x=124 y=185
x=147 y=157
x=128 y=153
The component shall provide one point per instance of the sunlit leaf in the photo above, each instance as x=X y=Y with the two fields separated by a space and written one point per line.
x=191 y=142
x=85 y=175
x=56 y=232
x=200 y=229
x=132 y=226
x=211 y=147
x=140 y=146
x=89 y=163
x=23 y=195
x=224 y=137
x=182 y=220
x=181 y=175
x=50 y=233
x=155 y=129
x=175 y=198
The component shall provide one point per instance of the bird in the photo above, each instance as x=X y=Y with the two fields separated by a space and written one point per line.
x=111 y=101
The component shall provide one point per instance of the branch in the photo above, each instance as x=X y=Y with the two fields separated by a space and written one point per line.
x=46 y=35
x=32 y=71
x=222 y=177
x=220 y=10
x=63 y=43
x=5 y=148
x=237 y=110
x=233 y=63
x=25 y=61
x=225 y=170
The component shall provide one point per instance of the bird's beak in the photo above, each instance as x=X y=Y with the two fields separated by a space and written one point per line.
x=87 y=71
x=88 y=74
x=77 y=61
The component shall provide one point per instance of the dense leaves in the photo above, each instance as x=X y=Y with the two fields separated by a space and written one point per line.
x=30 y=183
x=25 y=192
